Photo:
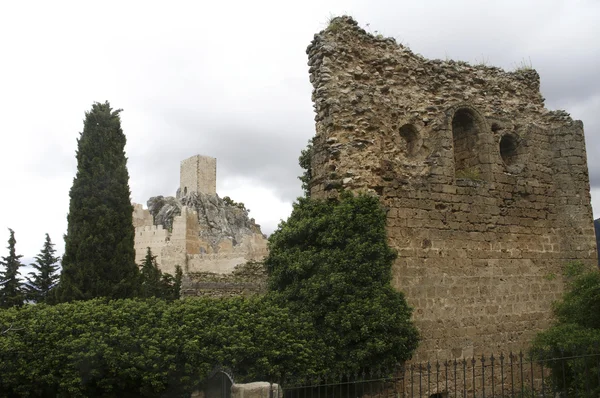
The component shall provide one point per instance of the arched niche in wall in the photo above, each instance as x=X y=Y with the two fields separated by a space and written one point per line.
x=467 y=126
x=411 y=140
x=512 y=153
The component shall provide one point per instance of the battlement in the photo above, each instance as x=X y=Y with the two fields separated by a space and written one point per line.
x=150 y=228
x=198 y=174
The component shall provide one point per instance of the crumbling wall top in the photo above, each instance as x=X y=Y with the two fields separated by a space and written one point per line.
x=345 y=52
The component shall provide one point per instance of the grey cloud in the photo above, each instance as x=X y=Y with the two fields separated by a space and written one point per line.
x=230 y=80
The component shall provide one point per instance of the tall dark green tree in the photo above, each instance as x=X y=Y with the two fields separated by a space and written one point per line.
x=11 y=288
x=45 y=277
x=150 y=277
x=99 y=259
x=171 y=285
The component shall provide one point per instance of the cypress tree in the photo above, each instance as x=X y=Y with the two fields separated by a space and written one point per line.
x=46 y=275
x=11 y=288
x=99 y=259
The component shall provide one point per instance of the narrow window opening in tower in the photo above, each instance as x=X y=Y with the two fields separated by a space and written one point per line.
x=411 y=138
x=465 y=135
x=508 y=149
x=184 y=191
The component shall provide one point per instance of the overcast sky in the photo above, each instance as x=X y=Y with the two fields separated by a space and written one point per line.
x=230 y=80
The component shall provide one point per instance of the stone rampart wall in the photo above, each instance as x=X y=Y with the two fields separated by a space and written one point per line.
x=243 y=280
x=154 y=237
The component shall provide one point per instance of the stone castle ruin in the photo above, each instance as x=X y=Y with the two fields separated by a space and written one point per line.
x=487 y=192
x=196 y=229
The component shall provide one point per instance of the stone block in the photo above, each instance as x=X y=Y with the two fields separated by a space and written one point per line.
x=259 y=389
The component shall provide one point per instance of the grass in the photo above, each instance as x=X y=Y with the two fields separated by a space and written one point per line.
x=469 y=173
x=524 y=65
x=483 y=61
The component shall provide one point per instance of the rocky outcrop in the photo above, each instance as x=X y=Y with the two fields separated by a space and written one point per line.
x=218 y=219
x=164 y=210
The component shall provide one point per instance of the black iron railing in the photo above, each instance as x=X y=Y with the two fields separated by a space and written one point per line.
x=506 y=375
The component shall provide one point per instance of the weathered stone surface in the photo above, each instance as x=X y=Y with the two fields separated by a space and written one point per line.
x=245 y=280
x=219 y=220
x=259 y=389
x=198 y=174
x=487 y=192
x=597 y=229
x=164 y=210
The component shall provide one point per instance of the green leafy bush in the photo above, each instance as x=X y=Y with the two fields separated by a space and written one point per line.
x=330 y=262
x=150 y=348
x=575 y=333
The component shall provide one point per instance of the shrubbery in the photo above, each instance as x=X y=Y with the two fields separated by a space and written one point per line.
x=330 y=262
x=575 y=333
x=330 y=311
x=148 y=348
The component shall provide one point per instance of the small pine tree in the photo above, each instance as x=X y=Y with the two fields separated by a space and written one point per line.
x=11 y=288
x=154 y=283
x=171 y=285
x=41 y=282
x=150 y=275
x=178 y=281
x=99 y=259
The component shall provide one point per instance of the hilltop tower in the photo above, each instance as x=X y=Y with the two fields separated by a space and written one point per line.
x=198 y=174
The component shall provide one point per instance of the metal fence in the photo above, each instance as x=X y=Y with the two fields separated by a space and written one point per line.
x=511 y=375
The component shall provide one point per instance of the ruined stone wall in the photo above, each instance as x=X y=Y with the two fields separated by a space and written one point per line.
x=487 y=192
x=198 y=174
x=245 y=279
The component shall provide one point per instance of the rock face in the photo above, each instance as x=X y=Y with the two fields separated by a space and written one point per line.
x=220 y=220
x=198 y=231
x=164 y=210
x=217 y=219
x=487 y=192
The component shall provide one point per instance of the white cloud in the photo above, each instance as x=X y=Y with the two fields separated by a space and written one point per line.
x=265 y=206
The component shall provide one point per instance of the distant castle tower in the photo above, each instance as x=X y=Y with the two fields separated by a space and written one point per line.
x=198 y=174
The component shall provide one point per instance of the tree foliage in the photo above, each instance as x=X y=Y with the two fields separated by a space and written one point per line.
x=150 y=275
x=11 y=288
x=330 y=261
x=148 y=348
x=99 y=259
x=155 y=283
x=44 y=279
x=305 y=161
x=575 y=332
